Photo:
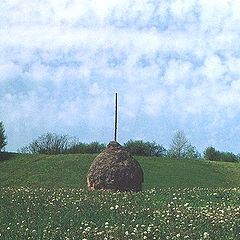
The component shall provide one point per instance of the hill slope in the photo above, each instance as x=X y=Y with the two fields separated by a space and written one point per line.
x=71 y=170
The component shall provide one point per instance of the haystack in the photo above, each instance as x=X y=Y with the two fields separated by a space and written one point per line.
x=115 y=169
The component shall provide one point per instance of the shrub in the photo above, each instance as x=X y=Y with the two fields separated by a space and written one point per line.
x=6 y=155
x=49 y=143
x=229 y=157
x=212 y=154
x=94 y=147
x=142 y=148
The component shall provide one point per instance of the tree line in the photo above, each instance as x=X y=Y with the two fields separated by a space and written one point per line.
x=3 y=137
x=180 y=147
x=52 y=143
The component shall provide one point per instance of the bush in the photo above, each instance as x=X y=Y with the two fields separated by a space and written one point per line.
x=94 y=147
x=141 y=148
x=212 y=154
x=49 y=143
x=6 y=155
x=229 y=157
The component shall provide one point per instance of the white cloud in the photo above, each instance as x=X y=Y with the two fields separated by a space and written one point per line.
x=154 y=102
x=214 y=14
x=95 y=89
x=9 y=71
x=213 y=68
x=69 y=57
x=178 y=73
x=181 y=9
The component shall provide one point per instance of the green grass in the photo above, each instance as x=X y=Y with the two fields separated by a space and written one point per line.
x=45 y=197
x=71 y=170
x=41 y=213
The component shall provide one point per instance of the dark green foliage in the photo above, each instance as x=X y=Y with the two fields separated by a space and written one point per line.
x=49 y=143
x=52 y=143
x=229 y=157
x=142 y=148
x=212 y=154
x=3 y=137
x=94 y=147
x=7 y=155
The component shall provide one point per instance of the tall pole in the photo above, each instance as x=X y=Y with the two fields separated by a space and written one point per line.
x=115 y=128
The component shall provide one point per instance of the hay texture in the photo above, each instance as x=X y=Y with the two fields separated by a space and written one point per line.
x=115 y=169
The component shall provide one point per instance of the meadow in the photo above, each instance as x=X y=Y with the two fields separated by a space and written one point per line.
x=45 y=197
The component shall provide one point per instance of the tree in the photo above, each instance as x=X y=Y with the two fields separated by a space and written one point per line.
x=193 y=153
x=141 y=148
x=3 y=137
x=229 y=157
x=181 y=147
x=211 y=154
x=49 y=143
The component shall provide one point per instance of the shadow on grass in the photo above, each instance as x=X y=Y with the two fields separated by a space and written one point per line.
x=6 y=156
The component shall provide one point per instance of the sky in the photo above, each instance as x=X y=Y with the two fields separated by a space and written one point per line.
x=174 y=63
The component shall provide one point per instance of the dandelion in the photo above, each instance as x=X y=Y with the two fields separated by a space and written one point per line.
x=149 y=212
x=205 y=235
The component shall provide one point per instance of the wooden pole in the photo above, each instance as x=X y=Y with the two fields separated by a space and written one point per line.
x=115 y=127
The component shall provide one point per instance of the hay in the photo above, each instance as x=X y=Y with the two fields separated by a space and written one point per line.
x=116 y=170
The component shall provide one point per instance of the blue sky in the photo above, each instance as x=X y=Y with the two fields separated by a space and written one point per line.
x=175 y=65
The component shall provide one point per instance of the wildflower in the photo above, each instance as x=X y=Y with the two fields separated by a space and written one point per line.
x=205 y=235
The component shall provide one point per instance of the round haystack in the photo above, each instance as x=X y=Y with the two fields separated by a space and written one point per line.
x=115 y=169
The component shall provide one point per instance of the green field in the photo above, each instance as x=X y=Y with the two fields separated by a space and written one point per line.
x=71 y=170
x=45 y=197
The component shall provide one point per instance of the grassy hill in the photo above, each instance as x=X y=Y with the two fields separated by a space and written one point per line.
x=51 y=204
x=70 y=171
